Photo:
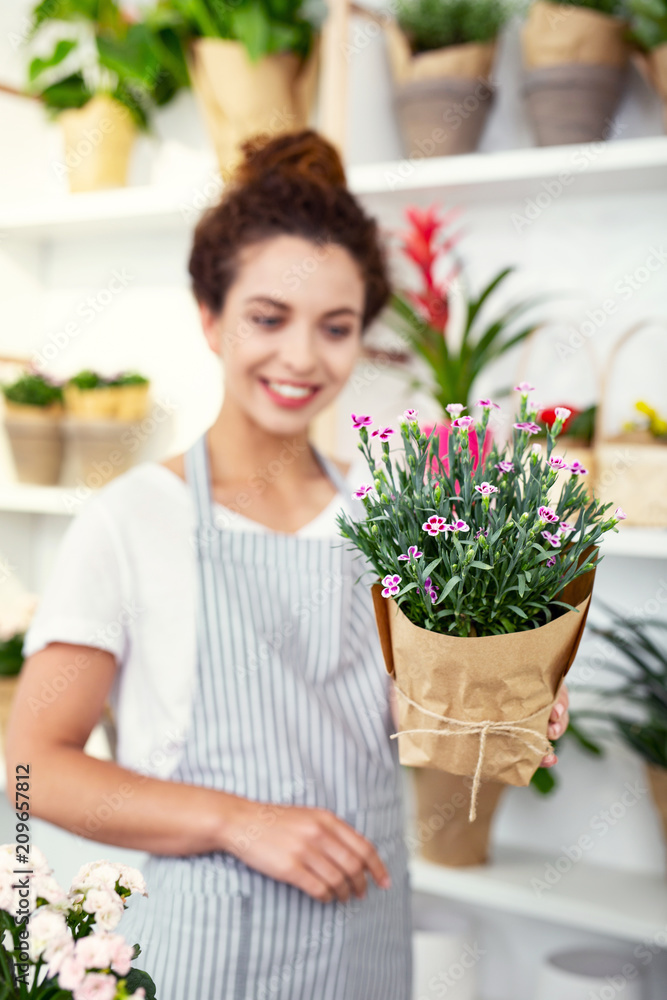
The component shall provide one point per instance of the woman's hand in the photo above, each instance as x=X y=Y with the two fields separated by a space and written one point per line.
x=558 y=722
x=312 y=849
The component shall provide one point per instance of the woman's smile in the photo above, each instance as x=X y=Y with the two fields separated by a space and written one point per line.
x=288 y=393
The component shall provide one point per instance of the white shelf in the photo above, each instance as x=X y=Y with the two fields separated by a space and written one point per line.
x=21 y=498
x=623 y=904
x=623 y=165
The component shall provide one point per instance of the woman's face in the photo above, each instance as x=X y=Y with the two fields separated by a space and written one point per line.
x=289 y=333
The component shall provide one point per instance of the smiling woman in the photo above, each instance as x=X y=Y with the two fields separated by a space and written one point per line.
x=250 y=689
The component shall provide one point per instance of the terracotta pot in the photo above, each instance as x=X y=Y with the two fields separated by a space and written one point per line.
x=8 y=686
x=441 y=98
x=444 y=833
x=98 y=142
x=35 y=436
x=575 y=62
x=239 y=98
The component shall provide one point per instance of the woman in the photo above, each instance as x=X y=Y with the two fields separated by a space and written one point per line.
x=212 y=597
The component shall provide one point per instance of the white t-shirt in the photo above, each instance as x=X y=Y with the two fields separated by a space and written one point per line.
x=124 y=580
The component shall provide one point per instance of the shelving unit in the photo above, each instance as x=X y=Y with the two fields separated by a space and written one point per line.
x=623 y=904
x=20 y=498
x=601 y=168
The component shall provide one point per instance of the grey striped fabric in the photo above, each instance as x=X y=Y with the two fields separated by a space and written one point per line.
x=290 y=707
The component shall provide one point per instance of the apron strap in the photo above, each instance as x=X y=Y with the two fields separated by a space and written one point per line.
x=197 y=474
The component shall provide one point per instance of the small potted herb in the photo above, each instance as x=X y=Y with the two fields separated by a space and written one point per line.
x=33 y=413
x=575 y=57
x=15 y=617
x=441 y=54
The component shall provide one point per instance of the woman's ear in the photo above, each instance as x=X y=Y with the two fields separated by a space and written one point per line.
x=209 y=322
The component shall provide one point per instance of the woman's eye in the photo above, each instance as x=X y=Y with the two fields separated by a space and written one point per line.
x=266 y=320
x=339 y=331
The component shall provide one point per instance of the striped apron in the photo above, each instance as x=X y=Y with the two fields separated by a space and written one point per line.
x=290 y=707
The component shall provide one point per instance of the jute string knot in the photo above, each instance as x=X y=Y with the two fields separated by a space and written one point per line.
x=483 y=728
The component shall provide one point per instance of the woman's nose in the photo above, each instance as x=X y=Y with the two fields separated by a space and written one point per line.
x=300 y=349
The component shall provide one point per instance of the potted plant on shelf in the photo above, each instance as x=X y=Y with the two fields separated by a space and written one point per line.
x=484 y=594
x=253 y=66
x=33 y=414
x=635 y=710
x=100 y=413
x=575 y=57
x=15 y=617
x=441 y=54
x=648 y=21
x=423 y=318
x=63 y=945
x=102 y=83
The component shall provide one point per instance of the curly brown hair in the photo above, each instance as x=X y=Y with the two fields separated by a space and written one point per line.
x=291 y=184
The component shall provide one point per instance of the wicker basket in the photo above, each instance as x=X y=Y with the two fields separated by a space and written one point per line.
x=35 y=436
x=97 y=450
x=631 y=469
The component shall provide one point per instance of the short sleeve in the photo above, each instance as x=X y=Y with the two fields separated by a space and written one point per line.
x=83 y=600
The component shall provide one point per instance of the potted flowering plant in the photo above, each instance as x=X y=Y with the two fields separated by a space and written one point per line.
x=57 y=945
x=441 y=54
x=33 y=412
x=484 y=590
x=577 y=437
x=575 y=56
x=423 y=318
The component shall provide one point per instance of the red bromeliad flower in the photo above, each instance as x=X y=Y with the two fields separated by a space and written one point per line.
x=425 y=246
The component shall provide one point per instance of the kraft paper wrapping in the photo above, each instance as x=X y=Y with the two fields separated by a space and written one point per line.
x=444 y=832
x=556 y=34
x=104 y=164
x=510 y=679
x=239 y=98
x=470 y=61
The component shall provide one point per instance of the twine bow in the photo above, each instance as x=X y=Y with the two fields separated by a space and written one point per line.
x=483 y=727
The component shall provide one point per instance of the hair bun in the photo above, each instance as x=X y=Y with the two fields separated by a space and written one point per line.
x=304 y=155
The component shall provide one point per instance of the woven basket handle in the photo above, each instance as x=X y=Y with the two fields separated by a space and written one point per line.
x=528 y=349
x=602 y=408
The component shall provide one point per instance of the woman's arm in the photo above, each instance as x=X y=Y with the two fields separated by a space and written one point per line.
x=60 y=698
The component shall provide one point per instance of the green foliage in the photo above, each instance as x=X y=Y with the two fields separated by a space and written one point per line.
x=33 y=390
x=508 y=580
x=613 y=7
x=640 y=662
x=436 y=24
x=648 y=22
x=263 y=26
x=88 y=379
x=454 y=370
x=142 y=65
x=11 y=656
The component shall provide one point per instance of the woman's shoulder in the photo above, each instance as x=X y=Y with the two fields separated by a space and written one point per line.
x=145 y=492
